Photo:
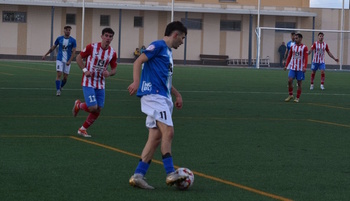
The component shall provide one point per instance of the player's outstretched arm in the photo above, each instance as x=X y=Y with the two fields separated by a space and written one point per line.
x=331 y=55
x=48 y=52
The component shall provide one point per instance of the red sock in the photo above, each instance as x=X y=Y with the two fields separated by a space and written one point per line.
x=290 y=90
x=322 y=78
x=312 y=77
x=91 y=119
x=298 y=93
x=84 y=107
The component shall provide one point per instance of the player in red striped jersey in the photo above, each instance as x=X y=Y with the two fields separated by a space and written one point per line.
x=297 y=62
x=98 y=56
x=318 y=62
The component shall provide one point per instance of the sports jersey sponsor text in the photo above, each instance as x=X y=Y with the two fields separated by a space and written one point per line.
x=146 y=86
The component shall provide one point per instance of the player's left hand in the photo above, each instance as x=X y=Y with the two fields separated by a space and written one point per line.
x=105 y=73
x=178 y=102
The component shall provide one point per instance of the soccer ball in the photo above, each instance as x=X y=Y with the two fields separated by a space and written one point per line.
x=188 y=182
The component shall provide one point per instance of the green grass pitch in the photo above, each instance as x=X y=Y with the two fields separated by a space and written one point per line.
x=235 y=132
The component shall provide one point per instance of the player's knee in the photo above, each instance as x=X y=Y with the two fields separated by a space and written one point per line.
x=170 y=134
x=94 y=109
x=157 y=141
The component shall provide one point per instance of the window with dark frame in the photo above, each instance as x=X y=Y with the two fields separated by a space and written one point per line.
x=230 y=25
x=138 y=21
x=192 y=23
x=70 y=19
x=285 y=25
x=14 y=16
x=104 y=20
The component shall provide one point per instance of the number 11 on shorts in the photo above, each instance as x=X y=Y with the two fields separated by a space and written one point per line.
x=163 y=115
x=92 y=99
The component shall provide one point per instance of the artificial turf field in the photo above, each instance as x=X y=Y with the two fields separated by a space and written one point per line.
x=235 y=132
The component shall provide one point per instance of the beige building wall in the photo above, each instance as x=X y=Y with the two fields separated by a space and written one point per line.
x=244 y=37
x=38 y=31
x=347 y=38
x=211 y=34
x=298 y=3
x=93 y=30
x=151 y=30
x=130 y=36
x=268 y=48
x=194 y=38
x=33 y=37
x=8 y=33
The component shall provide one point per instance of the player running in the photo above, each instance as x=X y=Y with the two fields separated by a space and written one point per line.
x=98 y=56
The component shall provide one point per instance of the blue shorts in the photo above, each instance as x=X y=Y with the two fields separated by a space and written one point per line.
x=316 y=66
x=94 y=96
x=298 y=75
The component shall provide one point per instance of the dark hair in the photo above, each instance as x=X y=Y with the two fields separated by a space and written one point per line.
x=299 y=35
x=107 y=30
x=67 y=27
x=321 y=33
x=293 y=33
x=175 y=26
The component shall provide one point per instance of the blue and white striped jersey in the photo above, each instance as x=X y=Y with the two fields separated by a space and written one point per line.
x=65 y=47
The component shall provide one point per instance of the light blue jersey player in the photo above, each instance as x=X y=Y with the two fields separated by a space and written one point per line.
x=66 y=51
x=155 y=89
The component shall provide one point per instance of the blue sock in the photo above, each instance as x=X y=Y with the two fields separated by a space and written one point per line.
x=142 y=168
x=168 y=164
x=63 y=82
x=58 y=83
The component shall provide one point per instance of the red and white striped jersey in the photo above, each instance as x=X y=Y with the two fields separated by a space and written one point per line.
x=320 y=49
x=297 y=58
x=96 y=62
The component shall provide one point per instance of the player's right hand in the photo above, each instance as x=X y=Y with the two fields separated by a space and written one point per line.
x=87 y=74
x=132 y=88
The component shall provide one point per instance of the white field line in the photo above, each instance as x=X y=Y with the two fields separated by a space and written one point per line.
x=185 y=91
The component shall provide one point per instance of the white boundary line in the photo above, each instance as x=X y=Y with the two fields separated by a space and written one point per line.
x=208 y=92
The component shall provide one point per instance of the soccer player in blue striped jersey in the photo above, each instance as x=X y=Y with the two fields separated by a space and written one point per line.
x=155 y=89
x=66 y=51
